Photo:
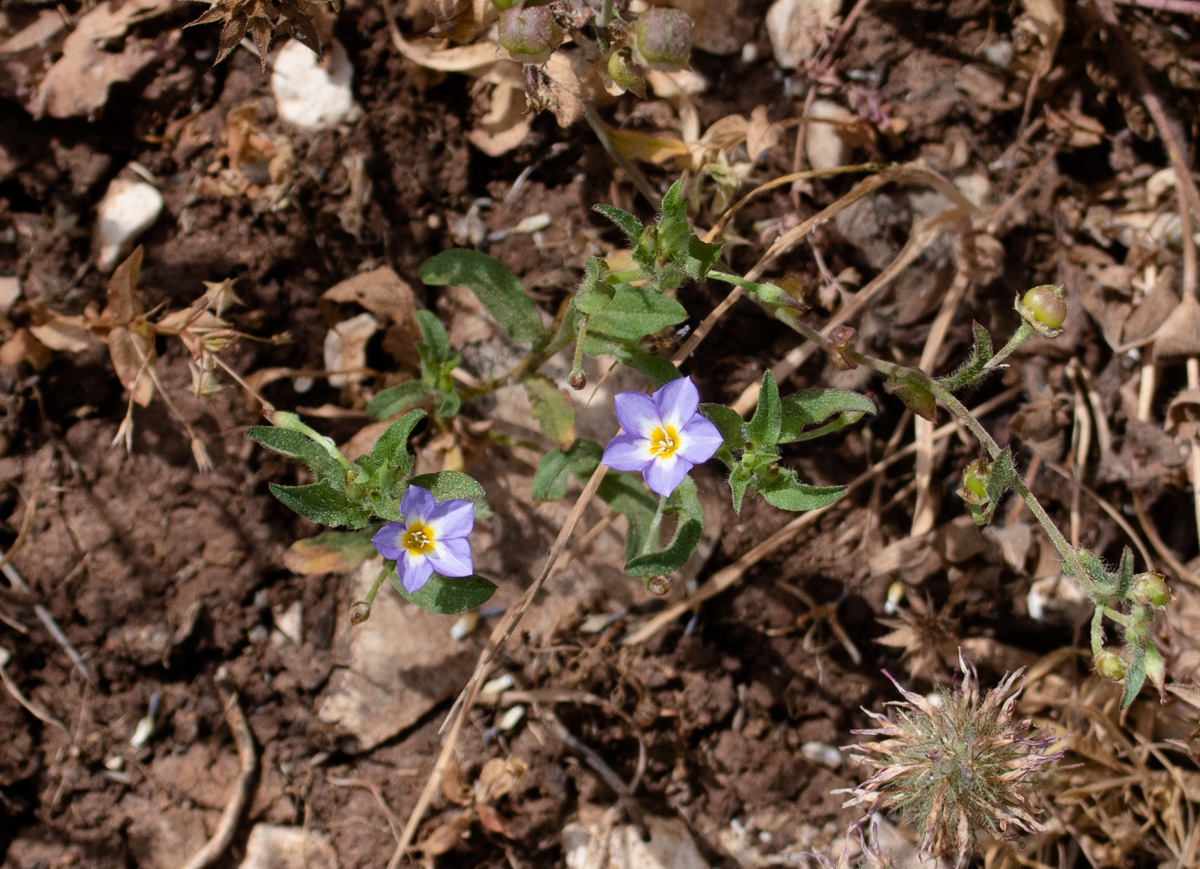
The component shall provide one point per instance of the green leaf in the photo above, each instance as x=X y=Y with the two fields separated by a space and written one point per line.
x=322 y=504
x=686 y=505
x=659 y=369
x=391 y=450
x=634 y=313
x=329 y=552
x=395 y=399
x=729 y=423
x=495 y=286
x=628 y=496
x=446 y=404
x=787 y=493
x=553 y=472
x=701 y=257
x=763 y=428
x=447 y=594
x=811 y=406
x=999 y=480
x=1135 y=675
x=630 y=225
x=295 y=445
x=437 y=342
x=444 y=485
x=674 y=233
x=594 y=292
x=916 y=396
x=739 y=479
x=552 y=408
x=975 y=366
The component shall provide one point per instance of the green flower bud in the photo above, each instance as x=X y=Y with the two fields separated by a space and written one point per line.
x=529 y=34
x=659 y=585
x=1109 y=665
x=1150 y=588
x=626 y=72
x=974 y=483
x=1044 y=308
x=664 y=38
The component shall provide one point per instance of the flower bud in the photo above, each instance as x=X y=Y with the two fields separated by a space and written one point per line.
x=529 y=34
x=1044 y=308
x=625 y=71
x=1151 y=589
x=360 y=611
x=974 y=483
x=659 y=585
x=577 y=380
x=664 y=38
x=1109 y=665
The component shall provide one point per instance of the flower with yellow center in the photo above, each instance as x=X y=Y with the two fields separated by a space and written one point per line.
x=664 y=435
x=432 y=537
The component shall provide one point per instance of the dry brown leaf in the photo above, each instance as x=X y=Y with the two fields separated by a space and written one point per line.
x=506 y=123
x=797 y=28
x=10 y=291
x=1080 y=130
x=454 y=785
x=761 y=134
x=41 y=30
x=1179 y=335
x=655 y=148
x=60 y=332
x=1183 y=414
x=1047 y=20
x=346 y=349
x=388 y=296
x=1152 y=311
x=498 y=777
x=446 y=836
x=132 y=355
x=24 y=347
x=79 y=81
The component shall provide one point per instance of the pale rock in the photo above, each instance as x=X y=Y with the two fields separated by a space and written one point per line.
x=272 y=847
x=823 y=143
x=670 y=846
x=127 y=210
x=797 y=28
x=310 y=93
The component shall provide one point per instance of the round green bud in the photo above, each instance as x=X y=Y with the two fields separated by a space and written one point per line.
x=1044 y=308
x=664 y=38
x=1150 y=588
x=529 y=34
x=1156 y=669
x=625 y=71
x=974 y=483
x=1110 y=666
x=659 y=585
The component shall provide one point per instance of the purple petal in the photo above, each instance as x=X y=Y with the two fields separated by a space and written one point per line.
x=414 y=571
x=387 y=540
x=677 y=402
x=451 y=519
x=416 y=504
x=699 y=440
x=452 y=557
x=627 y=452
x=664 y=475
x=636 y=413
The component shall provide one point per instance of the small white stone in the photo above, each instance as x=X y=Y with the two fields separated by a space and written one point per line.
x=822 y=753
x=512 y=718
x=823 y=142
x=311 y=94
x=127 y=210
x=797 y=28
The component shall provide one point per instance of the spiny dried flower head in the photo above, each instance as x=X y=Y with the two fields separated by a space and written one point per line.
x=956 y=765
x=262 y=18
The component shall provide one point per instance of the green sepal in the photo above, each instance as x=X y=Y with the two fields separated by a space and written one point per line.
x=494 y=285
x=553 y=472
x=634 y=313
x=686 y=505
x=594 y=292
x=674 y=232
x=763 y=428
x=813 y=406
x=296 y=445
x=784 y=491
x=391 y=450
x=446 y=594
x=391 y=401
x=552 y=408
x=1135 y=673
x=975 y=366
x=322 y=504
x=916 y=396
x=739 y=479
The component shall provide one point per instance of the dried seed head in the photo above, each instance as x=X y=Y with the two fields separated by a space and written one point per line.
x=664 y=38
x=529 y=34
x=956 y=767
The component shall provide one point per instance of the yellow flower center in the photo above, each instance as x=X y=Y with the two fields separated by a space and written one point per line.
x=664 y=442
x=418 y=539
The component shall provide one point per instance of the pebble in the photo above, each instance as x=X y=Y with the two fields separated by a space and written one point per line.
x=127 y=210
x=309 y=93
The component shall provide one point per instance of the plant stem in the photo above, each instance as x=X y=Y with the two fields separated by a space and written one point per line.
x=1018 y=338
x=605 y=16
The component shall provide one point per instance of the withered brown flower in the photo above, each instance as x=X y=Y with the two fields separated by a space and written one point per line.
x=954 y=765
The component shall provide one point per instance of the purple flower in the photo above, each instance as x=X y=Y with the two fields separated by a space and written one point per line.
x=663 y=435
x=432 y=537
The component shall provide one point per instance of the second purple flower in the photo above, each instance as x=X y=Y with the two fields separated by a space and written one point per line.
x=664 y=435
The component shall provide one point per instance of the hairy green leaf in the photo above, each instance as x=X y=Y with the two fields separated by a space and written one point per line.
x=494 y=285
x=447 y=594
x=322 y=504
x=296 y=445
x=812 y=406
